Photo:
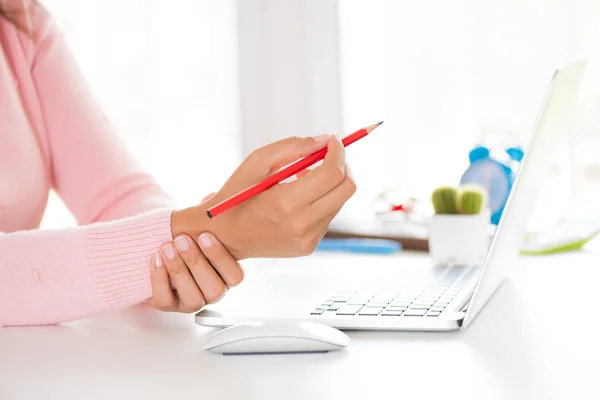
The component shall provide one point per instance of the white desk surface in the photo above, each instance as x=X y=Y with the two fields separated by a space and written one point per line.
x=537 y=339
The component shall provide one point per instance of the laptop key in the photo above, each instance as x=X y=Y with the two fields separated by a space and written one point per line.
x=317 y=312
x=378 y=303
x=423 y=302
x=357 y=302
x=388 y=313
x=400 y=304
x=334 y=307
x=349 y=310
x=396 y=309
x=414 y=313
x=370 y=311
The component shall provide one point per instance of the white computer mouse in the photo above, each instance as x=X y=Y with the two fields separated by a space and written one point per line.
x=276 y=337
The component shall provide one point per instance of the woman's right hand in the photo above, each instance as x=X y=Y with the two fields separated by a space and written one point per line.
x=287 y=220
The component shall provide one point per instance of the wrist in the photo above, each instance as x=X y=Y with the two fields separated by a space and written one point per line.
x=194 y=220
x=189 y=221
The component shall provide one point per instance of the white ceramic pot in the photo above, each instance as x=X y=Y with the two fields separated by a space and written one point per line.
x=459 y=239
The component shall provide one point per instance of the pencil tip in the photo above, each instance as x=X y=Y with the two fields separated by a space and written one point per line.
x=371 y=127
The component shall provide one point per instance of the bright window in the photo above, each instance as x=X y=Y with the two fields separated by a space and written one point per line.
x=166 y=74
x=447 y=75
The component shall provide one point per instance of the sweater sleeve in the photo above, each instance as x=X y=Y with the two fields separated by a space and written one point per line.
x=54 y=276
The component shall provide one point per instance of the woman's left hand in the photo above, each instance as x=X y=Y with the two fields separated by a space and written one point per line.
x=200 y=272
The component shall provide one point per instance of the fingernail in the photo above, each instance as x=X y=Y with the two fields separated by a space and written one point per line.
x=321 y=138
x=205 y=240
x=158 y=260
x=338 y=136
x=182 y=243
x=169 y=252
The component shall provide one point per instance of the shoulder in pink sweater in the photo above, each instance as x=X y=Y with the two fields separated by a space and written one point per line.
x=53 y=136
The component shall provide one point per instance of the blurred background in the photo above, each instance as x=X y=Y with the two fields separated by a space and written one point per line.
x=195 y=85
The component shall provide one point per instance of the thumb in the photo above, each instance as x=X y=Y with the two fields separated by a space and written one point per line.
x=336 y=154
x=283 y=152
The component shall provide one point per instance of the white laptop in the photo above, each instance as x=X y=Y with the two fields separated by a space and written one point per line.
x=376 y=293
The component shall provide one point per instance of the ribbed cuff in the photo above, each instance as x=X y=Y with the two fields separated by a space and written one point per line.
x=118 y=255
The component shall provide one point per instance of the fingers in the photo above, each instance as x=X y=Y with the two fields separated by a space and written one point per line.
x=323 y=210
x=308 y=242
x=163 y=297
x=190 y=296
x=206 y=278
x=269 y=159
x=333 y=200
x=321 y=180
x=336 y=154
x=226 y=265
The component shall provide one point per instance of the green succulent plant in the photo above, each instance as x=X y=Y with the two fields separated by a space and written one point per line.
x=445 y=200
x=471 y=199
x=466 y=199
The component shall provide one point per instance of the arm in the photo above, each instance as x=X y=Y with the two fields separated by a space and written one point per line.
x=61 y=275
x=54 y=276
x=48 y=277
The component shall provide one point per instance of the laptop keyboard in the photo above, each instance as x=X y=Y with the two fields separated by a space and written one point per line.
x=428 y=300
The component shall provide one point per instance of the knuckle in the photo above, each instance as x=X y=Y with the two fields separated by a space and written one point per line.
x=176 y=268
x=197 y=304
x=216 y=252
x=307 y=245
x=293 y=141
x=336 y=174
x=238 y=277
x=163 y=303
x=283 y=208
x=255 y=160
x=193 y=305
x=351 y=185
x=195 y=260
x=298 y=228
x=216 y=294
x=254 y=155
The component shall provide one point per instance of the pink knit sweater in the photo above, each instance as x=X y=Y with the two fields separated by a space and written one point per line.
x=54 y=136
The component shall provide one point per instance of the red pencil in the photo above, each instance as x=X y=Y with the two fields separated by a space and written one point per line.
x=284 y=174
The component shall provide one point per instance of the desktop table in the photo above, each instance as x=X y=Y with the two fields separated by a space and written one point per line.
x=538 y=338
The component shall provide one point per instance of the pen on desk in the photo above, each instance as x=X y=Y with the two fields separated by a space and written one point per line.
x=284 y=174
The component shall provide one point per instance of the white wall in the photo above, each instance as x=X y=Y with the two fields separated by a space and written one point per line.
x=289 y=69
